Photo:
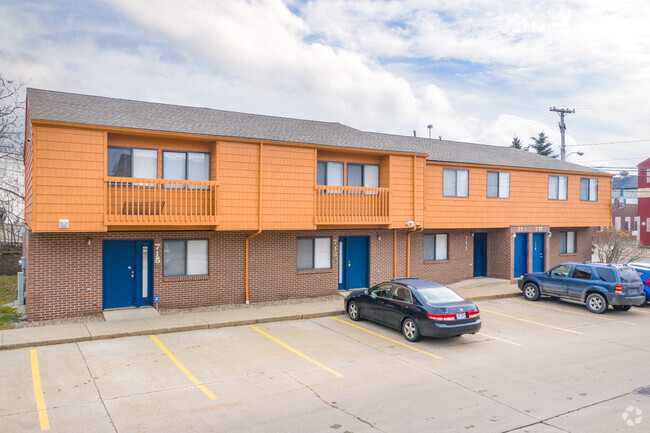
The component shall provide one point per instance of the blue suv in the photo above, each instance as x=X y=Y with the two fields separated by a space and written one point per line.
x=594 y=284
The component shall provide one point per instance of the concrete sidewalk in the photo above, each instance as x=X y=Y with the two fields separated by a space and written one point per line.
x=147 y=321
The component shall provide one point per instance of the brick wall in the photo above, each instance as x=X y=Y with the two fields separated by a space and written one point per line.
x=63 y=266
x=584 y=242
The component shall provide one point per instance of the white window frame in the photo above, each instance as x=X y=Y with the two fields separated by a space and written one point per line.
x=187 y=162
x=556 y=193
x=503 y=178
x=456 y=174
x=364 y=178
x=314 y=245
x=437 y=255
x=328 y=181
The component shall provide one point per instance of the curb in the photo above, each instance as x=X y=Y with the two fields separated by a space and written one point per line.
x=169 y=330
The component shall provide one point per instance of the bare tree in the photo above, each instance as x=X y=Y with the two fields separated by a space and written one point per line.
x=616 y=246
x=12 y=176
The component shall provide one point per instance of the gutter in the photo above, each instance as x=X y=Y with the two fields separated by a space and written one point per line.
x=259 y=229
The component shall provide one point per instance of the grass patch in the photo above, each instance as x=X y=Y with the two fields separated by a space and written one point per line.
x=8 y=285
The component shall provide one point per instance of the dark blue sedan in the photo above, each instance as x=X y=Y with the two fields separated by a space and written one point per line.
x=416 y=307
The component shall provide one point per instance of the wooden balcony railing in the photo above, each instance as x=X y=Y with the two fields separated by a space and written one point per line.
x=132 y=201
x=352 y=205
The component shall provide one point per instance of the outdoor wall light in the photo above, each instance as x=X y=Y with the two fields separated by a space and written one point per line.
x=88 y=241
x=378 y=237
x=550 y=234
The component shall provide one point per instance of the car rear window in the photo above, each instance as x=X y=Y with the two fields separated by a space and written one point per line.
x=607 y=275
x=437 y=295
x=629 y=275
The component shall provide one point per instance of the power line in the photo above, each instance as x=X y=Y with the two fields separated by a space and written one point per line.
x=609 y=142
x=503 y=133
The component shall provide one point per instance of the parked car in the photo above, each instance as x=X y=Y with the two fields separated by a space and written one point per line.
x=416 y=307
x=643 y=271
x=595 y=284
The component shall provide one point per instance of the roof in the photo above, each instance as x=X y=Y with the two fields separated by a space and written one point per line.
x=46 y=105
x=627 y=182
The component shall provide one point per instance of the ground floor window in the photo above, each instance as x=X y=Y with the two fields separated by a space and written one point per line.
x=314 y=253
x=435 y=247
x=568 y=242
x=185 y=257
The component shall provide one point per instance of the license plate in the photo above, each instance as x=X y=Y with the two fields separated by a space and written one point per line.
x=460 y=316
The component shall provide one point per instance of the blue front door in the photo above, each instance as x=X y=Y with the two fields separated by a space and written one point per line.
x=480 y=254
x=538 y=252
x=353 y=262
x=521 y=254
x=127 y=274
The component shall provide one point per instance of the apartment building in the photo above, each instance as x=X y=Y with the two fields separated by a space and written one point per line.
x=129 y=200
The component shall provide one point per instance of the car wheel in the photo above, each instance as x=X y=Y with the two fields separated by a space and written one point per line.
x=353 y=311
x=596 y=303
x=531 y=292
x=621 y=307
x=410 y=330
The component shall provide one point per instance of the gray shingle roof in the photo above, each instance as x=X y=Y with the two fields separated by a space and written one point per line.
x=121 y=113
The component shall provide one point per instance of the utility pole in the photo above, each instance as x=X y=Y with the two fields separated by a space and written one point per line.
x=562 y=112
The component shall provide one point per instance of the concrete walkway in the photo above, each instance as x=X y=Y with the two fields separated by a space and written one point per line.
x=147 y=321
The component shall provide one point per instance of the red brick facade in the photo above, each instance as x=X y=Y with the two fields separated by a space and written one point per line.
x=64 y=275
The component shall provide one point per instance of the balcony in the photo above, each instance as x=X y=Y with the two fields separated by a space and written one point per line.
x=350 y=205
x=131 y=202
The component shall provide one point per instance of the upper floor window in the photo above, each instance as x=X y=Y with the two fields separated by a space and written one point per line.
x=498 y=184
x=455 y=182
x=128 y=162
x=558 y=187
x=366 y=175
x=329 y=173
x=588 y=189
x=186 y=165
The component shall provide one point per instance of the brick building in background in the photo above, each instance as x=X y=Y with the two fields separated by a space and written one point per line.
x=126 y=200
x=644 y=201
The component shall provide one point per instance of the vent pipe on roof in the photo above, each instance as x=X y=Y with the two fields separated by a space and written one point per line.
x=414 y=133
x=440 y=137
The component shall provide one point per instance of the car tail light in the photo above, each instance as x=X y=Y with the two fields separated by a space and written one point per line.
x=618 y=288
x=473 y=314
x=442 y=317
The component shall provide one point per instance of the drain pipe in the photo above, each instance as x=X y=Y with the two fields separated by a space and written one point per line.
x=259 y=228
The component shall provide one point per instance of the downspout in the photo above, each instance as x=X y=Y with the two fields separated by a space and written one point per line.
x=259 y=227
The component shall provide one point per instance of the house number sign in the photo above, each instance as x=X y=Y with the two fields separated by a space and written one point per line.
x=529 y=229
x=157 y=258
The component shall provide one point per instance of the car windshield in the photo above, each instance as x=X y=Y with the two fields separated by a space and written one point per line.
x=628 y=275
x=437 y=295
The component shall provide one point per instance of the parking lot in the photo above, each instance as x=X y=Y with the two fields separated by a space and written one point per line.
x=547 y=366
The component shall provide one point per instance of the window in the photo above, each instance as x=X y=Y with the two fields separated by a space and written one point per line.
x=558 y=187
x=380 y=291
x=127 y=162
x=588 y=189
x=329 y=173
x=402 y=294
x=567 y=242
x=366 y=175
x=455 y=182
x=606 y=274
x=435 y=247
x=582 y=273
x=498 y=184
x=314 y=253
x=185 y=257
x=186 y=165
x=561 y=271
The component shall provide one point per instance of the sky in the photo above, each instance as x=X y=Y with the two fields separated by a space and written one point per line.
x=478 y=71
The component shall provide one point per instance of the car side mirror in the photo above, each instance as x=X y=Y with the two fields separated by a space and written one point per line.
x=365 y=292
